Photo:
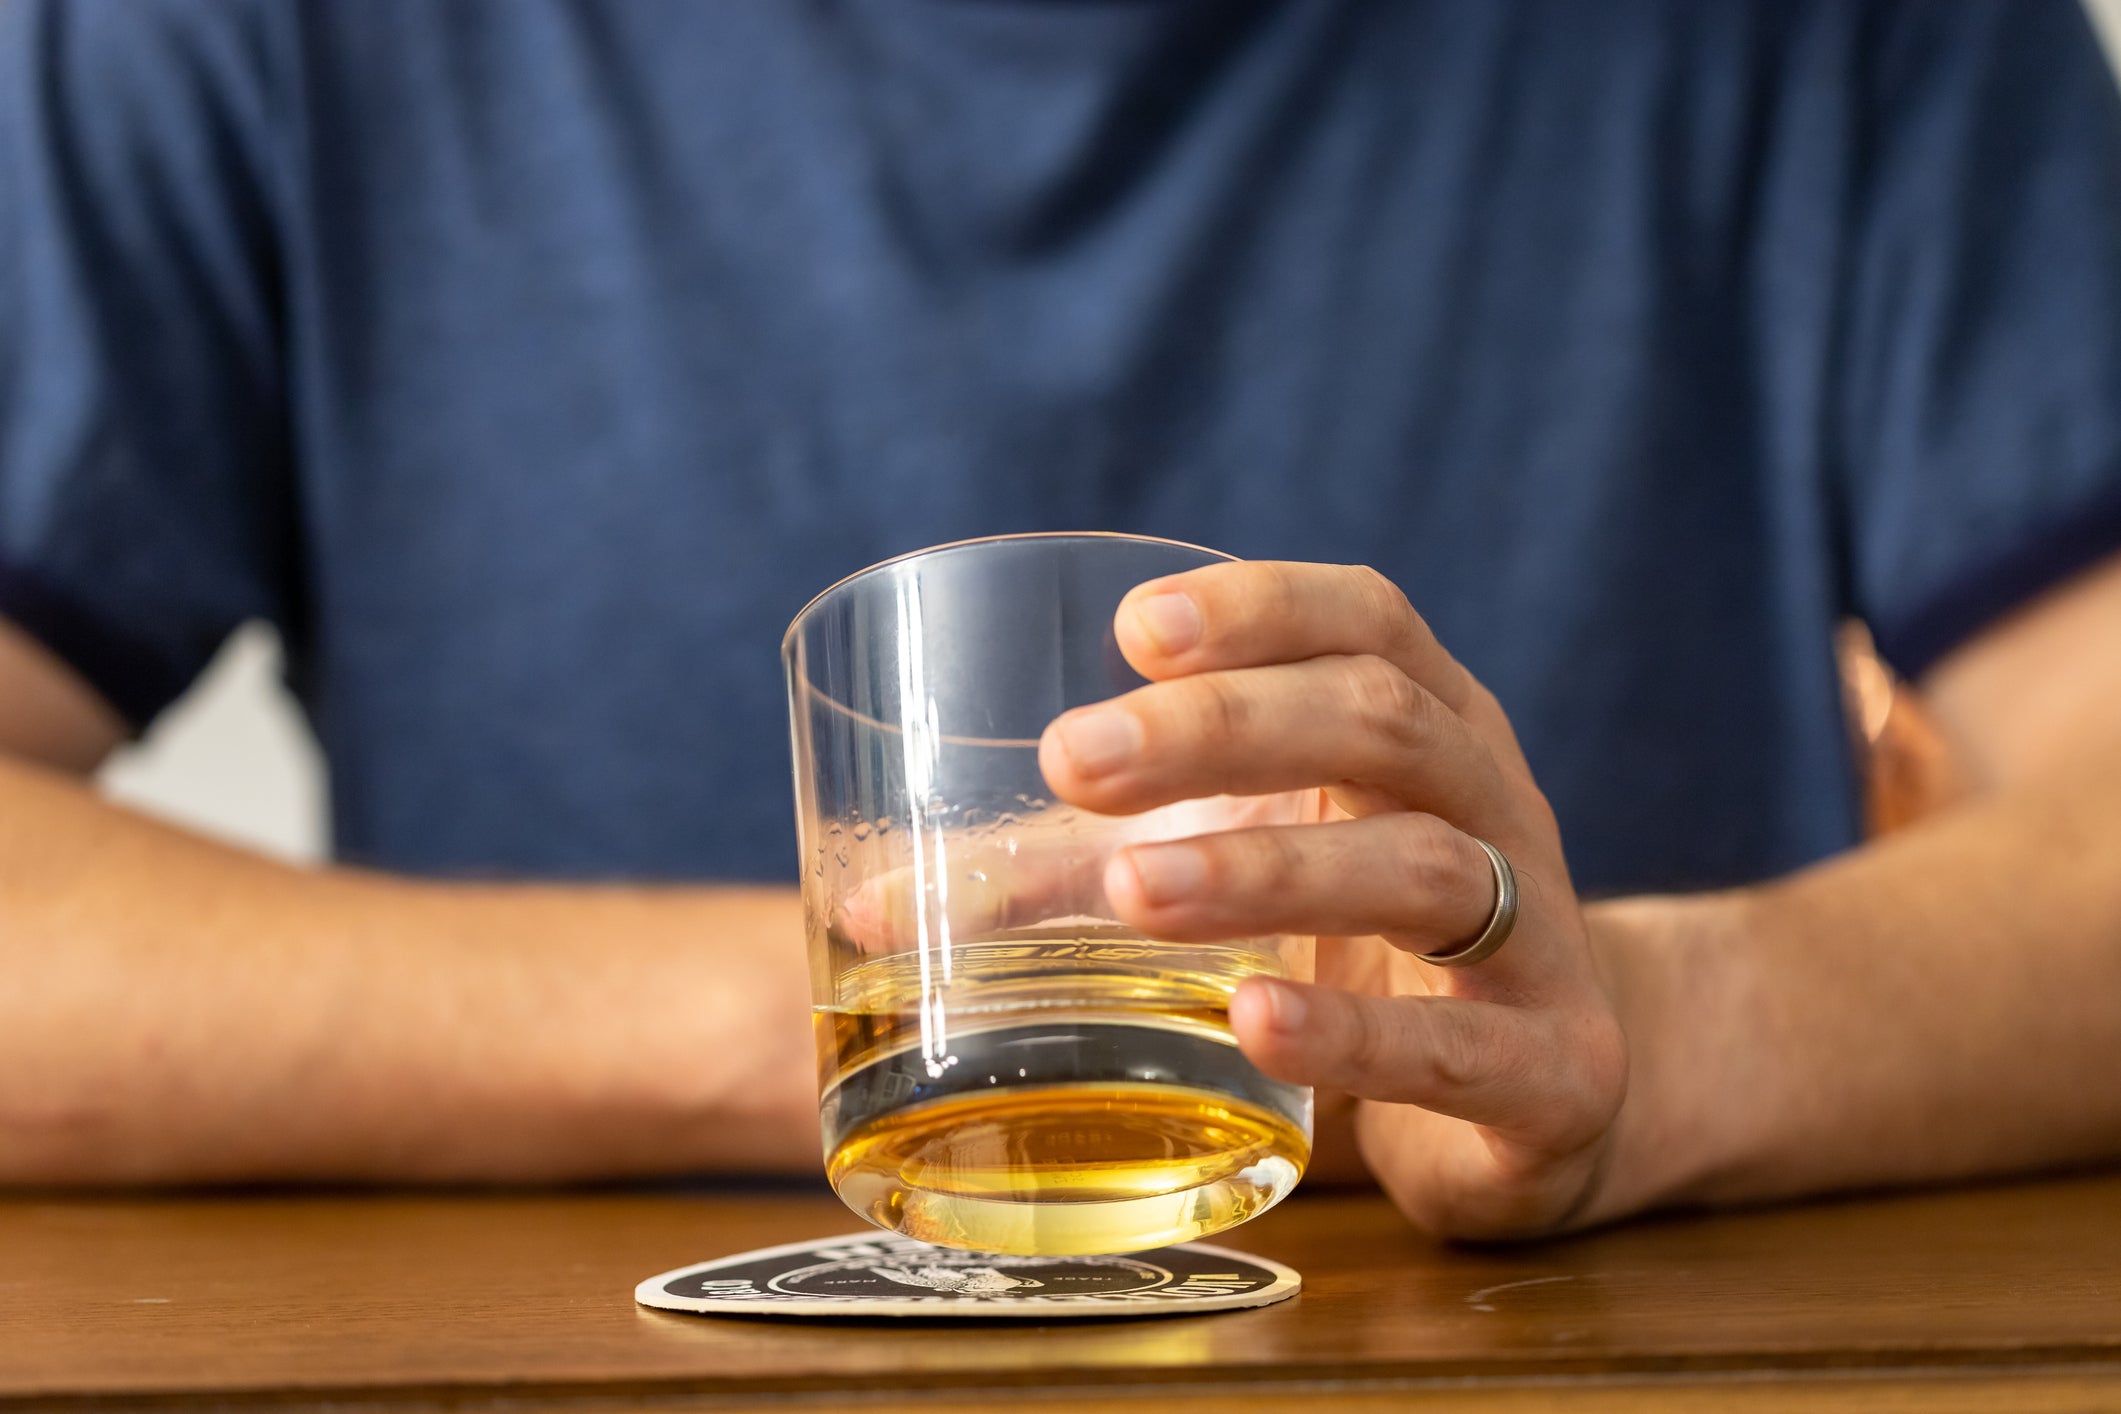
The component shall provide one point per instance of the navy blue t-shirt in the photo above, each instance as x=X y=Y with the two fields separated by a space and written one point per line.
x=530 y=362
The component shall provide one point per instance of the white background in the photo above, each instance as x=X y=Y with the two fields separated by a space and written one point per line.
x=234 y=758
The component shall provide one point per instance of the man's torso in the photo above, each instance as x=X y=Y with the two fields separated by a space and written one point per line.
x=618 y=329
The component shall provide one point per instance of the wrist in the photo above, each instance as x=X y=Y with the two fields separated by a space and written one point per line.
x=1673 y=966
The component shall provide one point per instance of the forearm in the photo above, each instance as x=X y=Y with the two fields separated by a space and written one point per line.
x=1939 y=1004
x=176 y=1010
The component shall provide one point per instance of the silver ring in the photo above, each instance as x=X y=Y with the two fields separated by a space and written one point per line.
x=1500 y=922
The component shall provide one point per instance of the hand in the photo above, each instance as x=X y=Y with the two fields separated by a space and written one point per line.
x=1488 y=1093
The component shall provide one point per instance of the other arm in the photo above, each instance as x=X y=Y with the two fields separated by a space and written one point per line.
x=179 y=1010
x=1941 y=1003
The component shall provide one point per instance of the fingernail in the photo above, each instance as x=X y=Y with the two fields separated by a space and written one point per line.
x=1286 y=1007
x=1100 y=740
x=1169 y=872
x=1173 y=620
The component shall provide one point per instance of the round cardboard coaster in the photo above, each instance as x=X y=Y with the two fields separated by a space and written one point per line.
x=882 y=1274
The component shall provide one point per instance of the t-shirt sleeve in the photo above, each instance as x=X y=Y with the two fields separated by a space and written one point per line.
x=144 y=510
x=1981 y=387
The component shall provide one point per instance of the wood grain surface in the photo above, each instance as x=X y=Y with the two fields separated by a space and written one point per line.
x=2006 y=1298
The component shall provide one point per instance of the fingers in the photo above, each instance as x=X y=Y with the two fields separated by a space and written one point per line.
x=1411 y=878
x=1441 y=1053
x=1250 y=613
x=1329 y=721
x=1507 y=1068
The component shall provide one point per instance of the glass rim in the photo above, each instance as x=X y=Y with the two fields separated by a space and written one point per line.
x=971 y=542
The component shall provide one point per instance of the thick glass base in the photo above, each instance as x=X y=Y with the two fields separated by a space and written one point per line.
x=1071 y=1169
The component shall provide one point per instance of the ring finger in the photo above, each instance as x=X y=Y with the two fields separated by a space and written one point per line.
x=1412 y=878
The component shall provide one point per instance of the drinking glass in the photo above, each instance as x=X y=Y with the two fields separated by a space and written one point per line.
x=1004 y=1064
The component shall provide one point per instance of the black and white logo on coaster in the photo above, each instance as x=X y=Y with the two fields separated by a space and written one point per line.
x=881 y=1274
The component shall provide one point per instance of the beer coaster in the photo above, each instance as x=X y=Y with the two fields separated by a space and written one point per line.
x=882 y=1274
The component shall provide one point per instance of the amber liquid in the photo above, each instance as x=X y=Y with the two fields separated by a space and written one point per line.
x=1067 y=1095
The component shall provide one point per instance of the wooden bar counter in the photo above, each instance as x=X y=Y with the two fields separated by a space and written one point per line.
x=2004 y=1298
